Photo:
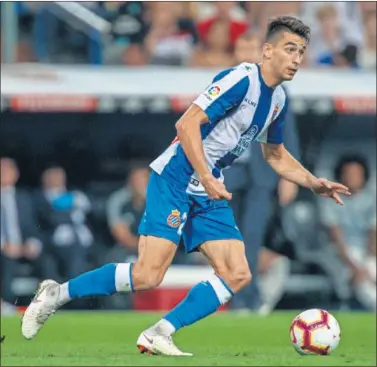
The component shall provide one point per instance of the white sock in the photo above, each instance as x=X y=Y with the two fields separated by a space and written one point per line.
x=123 y=277
x=63 y=297
x=162 y=327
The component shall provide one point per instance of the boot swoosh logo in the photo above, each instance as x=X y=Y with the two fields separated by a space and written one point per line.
x=149 y=339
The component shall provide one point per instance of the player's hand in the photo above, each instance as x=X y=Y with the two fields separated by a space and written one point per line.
x=329 y=189
x=215 y=189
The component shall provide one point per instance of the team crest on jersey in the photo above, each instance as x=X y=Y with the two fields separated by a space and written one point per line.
x=214 y=91
x=174 y=219
x=276 y=110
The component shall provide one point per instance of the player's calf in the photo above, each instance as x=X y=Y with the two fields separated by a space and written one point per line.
x=146 y=277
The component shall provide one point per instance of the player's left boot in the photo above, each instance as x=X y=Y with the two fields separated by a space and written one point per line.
x=158 y=344
x=43 y=305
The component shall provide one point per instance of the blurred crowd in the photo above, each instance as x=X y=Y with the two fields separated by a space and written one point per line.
x=198 y=34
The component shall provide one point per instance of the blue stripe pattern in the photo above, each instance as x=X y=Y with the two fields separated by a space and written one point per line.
x=216 y=111
x=228 y=101
x=276 y=129
x=259 y=120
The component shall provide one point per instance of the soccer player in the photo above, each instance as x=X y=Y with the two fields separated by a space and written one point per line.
x=186 y=196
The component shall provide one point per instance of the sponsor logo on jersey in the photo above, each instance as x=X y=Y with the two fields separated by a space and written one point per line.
x=245 y=141
x=250 y=102
x=174 y=219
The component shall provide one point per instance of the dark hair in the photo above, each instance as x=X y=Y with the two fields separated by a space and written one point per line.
x=290 y=24
x=349 y=159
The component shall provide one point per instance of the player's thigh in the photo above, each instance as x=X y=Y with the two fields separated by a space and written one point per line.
x=228 y=259
x=155 y=252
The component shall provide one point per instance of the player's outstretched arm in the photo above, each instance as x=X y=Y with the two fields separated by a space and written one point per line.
x=290 y=169
x=188 y=132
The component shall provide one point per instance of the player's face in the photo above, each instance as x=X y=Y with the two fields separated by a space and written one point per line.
x=287 y=54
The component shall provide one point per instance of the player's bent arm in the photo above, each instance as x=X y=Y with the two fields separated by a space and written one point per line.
x=188 y=132
x=285 y=165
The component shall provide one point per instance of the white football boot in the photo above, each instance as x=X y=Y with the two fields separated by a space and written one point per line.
x=43 y=305
x=158 y=344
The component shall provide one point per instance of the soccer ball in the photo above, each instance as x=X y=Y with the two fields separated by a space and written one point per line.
x=315 y=331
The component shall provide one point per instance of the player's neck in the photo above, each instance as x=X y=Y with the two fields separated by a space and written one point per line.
x=268 y=76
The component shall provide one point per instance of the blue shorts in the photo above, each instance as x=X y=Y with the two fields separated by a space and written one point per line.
x=171 y=213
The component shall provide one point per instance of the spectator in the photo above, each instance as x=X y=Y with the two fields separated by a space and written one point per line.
x=260 y=12
x=224 y=13
x=20 y=237
x=255 y=15
x=331 y=44
x=349 y=14
x=215 y=50
x=171 y=38
x=125 y=209
x=352 y=230
x=62 y=215
x=367 y=53
x=209 y=9
x=248 y=48
x=128 y=30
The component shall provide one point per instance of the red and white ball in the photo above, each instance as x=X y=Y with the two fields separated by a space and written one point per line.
x=315 y=331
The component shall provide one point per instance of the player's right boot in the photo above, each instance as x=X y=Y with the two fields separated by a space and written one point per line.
x=43 y=305
x=158 y=344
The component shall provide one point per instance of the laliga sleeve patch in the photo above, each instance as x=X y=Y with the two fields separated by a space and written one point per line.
x=213 y=92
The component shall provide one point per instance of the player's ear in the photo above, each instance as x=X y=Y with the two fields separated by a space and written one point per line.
x=267 y=51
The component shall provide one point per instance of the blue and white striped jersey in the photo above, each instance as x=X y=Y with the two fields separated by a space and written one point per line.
x=241 y=109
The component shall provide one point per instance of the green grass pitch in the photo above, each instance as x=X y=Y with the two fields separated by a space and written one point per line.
x=223 y=339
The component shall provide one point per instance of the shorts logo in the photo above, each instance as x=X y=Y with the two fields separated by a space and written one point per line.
x=214 y=91
x=174 y=219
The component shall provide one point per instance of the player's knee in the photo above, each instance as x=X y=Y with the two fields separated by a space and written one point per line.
x=145 y=278
x=236 y=278
x=242 y=277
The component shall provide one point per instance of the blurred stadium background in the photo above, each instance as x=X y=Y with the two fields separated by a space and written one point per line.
x=90 y=92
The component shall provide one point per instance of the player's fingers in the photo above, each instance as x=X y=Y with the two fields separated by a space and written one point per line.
x=337 y=198
x=226 y=195
x=343 y=192
x=339 y=186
